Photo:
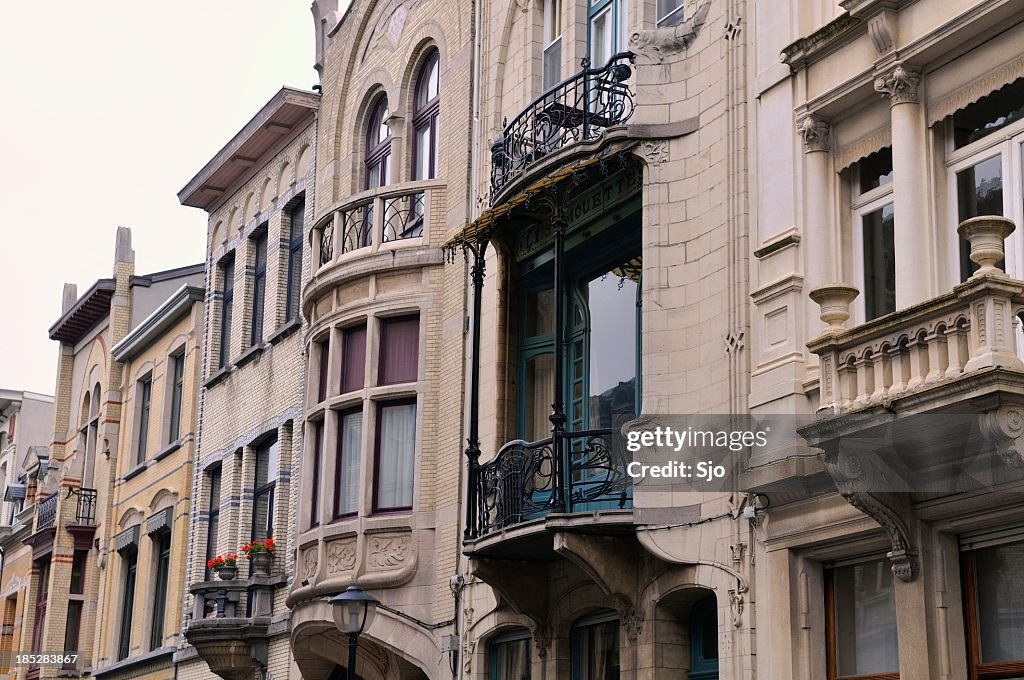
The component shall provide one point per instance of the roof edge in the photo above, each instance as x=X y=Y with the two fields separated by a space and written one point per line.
x=150 y=328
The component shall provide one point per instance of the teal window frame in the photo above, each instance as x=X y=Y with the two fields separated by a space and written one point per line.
x=702 y=668
x=619 y=15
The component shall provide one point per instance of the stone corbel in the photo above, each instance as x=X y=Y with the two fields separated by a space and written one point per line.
x=609 y=563
x=1004 y=428
x=658 y=43
x=528 y=597
x=857 y=475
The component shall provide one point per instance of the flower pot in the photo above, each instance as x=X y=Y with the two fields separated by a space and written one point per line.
x=986 y=235
x=227 y=573
x=260 y=563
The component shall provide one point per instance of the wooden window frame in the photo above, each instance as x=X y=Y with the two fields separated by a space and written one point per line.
x=976 y=669
x=830 y=636
x=319 y=427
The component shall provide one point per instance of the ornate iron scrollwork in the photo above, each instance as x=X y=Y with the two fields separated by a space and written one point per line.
x=575 y=110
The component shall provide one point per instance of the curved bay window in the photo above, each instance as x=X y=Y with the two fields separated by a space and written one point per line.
x=378 y=147
x=425 y=119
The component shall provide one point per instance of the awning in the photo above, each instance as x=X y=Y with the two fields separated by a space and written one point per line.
x=127 y=539
x=161 y=520
x=14 y=492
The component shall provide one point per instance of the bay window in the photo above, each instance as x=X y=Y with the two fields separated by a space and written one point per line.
x=346 y=465
x=395 y=455
x=860 y=631
x=318 y=452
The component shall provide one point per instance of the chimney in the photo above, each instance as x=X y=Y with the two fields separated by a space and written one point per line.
x=70 y=297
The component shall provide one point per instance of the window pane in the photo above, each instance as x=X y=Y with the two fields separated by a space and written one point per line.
x=612 y=303
x=399 y=350
x=601 y=38
x=78 y=572
x=510 y=660
x=598 y=648
x=178 y=377
x=424 y=152
x=879 y=263
x=989 y=114
x=1000 y=602
x=396 y=455
x=979 y=191
x=259 y=287
x=667 y=7
x=263 y=514
x=353 y=360
x=427 y=86
x=297 y=218
x=875 y=170
x=323 y=357
x=318 y=450
x=227 y=300
x=266 y=463
x=540 y=313
x=347 y=465
x=145 y=400
x=552 y=67
x=865 y=625
x=538 y=392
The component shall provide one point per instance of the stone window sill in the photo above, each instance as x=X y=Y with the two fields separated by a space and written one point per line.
x=136 y=471
x=168 y=450
x=284 y=331
x=217 y=377
x=249 y=354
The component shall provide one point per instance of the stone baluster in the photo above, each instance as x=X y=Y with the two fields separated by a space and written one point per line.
x=879 y=362
x=956 y=343
x=918 y=354
x=899 y=365
x=937 y=355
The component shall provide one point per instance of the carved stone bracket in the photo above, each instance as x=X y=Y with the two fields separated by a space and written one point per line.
x=1004 y=427
x=654 y=151
x=658 y=43
x=815 y=132
x=633 y=624
x=901 y=84
x=855 y=474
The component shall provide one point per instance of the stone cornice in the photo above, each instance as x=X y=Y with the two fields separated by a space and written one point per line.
x=797 y=54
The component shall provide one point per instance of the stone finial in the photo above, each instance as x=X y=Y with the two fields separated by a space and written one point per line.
x=901 y=84
x=69 y=298
x=986 y=235
x=815 y=132
x=123 y=246
x=834 y=301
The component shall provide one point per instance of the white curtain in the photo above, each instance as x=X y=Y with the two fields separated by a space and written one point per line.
x=540 y=387
x=397 y=456
x=348 y=465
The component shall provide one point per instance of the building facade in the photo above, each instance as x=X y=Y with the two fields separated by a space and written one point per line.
x=72 y=489
x=25 y=421
x=258 y=192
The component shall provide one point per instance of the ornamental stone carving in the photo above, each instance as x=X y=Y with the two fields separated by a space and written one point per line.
x=311 y=563
x=387 y=551
x=654 y=151
x=901 y=84
x=815 y=132
x=341 y=556
x=1004 y=427
x=658 y=43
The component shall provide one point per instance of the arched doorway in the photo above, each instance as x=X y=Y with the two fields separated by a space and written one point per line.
x=686 y=633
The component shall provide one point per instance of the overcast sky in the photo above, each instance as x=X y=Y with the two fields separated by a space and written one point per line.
x=107 y=108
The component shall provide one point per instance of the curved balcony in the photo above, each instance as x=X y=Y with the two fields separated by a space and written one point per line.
x=527 y=483
x=578 y=109
x=381 y=228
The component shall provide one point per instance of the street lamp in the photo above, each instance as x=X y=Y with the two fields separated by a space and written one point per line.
x=353 y=610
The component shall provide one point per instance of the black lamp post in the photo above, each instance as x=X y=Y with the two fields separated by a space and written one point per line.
x=353 y=610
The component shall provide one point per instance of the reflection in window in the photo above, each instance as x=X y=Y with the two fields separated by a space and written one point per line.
x=989 y=114
x=995 y=609
x=552 y=59
x=879 y=262
x=267 y=455
x=862 y=625
x=875 y=170
x=611 y=299
x=979 y=191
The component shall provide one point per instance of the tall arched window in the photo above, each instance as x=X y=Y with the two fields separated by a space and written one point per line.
x=378 y=146
x=425 y=120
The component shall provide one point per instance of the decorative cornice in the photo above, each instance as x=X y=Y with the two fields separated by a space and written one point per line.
x=798 y=53
x=902 y=84
x=658 y=43
x=815 y=132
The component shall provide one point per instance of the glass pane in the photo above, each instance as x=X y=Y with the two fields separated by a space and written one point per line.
x=424 y=152
x=879 y=263
x=266 y=463
x=262 y=509
x=347 y=465
x=598 y=647
x=510 y=660
x=353 y=360
x=601 y=38
x=399 y=351
x=989 y=114
x=612 y=302
x=397 y=456
x=979 y=191
x=875 y=170
x=552 y=73
x=540 y=313
x=865 y=625
x=427 y=87
x=1000 y=602
x=538 y=392
x=552 y=21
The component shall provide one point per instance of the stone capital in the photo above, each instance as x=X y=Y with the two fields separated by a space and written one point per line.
x=902 y=84
x=815 y=132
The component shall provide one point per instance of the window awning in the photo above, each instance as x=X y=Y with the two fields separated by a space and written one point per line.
x=127 y=539
x=14 y=492
x=161 y=520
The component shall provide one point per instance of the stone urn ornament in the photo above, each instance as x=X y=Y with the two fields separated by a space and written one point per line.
x=986 y=235
x=224 y=566
x=260 y=554
x=834 y=300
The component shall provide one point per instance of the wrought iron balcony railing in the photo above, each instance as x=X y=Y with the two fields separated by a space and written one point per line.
x=46 y=513
x=85 y=511
x=376 y=217
x=528 y=480
x=577 y=109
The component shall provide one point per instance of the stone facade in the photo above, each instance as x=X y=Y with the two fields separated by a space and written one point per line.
x=250 y=403
x=25 y=421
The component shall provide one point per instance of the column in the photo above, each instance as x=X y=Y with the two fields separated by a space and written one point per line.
x=914 y=254
x=818 y=231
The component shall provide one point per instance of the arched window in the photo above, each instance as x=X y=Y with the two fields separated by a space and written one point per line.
x=595 y=646
x=508 y=656
x=425 y=120
x=378 y=146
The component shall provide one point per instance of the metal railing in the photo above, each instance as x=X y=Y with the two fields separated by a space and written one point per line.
x=577 y=109
x=85 y=511
x=46 y=513
x=525 y=481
